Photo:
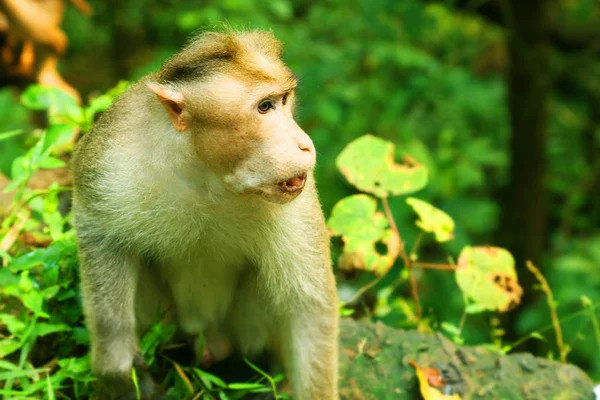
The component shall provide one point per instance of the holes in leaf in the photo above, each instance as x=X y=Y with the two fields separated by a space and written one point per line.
x=381 y=248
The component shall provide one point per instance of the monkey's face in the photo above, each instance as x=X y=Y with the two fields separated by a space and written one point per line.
x=246 y=133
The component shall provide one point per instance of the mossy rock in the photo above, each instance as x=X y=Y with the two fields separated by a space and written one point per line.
x=374 y=365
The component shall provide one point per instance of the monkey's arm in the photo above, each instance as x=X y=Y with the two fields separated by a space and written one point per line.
x=310 y=353
x=109 y=278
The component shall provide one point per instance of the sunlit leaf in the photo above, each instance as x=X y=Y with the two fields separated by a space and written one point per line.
x=52 y=162
x=361 y=226
x=59 y=135
x=432 y=219
x=245 y=386
x=60 y=105
x=10 y=134
x=487 y=276
x=8 y=346
x=43 y=328
x=184 y=377
x=157 y=334
x=368 y=163
x=12 y=323
x=210 y=378
x=104 y=101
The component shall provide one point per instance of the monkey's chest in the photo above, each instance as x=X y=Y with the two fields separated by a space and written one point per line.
x=203 y=283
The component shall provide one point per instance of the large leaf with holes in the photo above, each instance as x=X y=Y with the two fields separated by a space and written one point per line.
x=361 y=227
x=368 y=163
x=487 y=276
x=432 y=219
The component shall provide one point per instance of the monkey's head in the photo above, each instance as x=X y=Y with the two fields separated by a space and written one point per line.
x=234 y=97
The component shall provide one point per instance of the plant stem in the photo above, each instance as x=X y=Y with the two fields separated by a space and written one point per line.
x=415 y=247
x=595 y=323
x=363 y=289
x=407 y=261
x=445 y=267
x=553 y=314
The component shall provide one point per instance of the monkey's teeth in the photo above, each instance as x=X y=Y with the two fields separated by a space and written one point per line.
x=295 y=183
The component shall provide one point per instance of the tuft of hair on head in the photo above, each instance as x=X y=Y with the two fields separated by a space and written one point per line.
x=211 y=52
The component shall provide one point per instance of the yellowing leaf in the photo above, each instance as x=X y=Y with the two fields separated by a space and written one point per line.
x=432 y=219
x=429 y=380
x=368 y=163
x=361 y=226
x=487 y=276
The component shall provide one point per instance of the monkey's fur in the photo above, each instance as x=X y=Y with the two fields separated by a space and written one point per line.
x=194 y=193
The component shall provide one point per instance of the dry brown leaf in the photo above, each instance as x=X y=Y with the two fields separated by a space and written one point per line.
x=429 y=380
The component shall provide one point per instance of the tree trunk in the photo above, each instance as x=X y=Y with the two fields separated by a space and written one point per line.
x=523 y=215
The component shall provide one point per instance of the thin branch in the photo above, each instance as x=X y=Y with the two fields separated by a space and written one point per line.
x=461 y=325
x=407 y=261
x=13 y=233
x=444 y=267
x=543 y=329
x=415 y=247
x=83 y=7
x=364 y=289
x=553 y=314
x=392 y=222
x=595 y=323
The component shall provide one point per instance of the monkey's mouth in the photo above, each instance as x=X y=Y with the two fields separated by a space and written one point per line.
x=293 y=185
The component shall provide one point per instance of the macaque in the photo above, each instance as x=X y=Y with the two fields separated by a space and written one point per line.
x=195 y=199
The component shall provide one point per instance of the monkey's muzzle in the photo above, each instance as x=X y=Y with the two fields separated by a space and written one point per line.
x=293 y=185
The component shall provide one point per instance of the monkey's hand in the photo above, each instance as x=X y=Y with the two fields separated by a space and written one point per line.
x=121 y=386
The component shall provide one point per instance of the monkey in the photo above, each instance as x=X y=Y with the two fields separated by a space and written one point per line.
x=195 y=193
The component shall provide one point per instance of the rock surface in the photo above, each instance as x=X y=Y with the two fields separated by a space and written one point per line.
x=374 y=365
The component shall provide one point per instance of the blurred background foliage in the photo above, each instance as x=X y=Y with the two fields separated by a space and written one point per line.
x=433 y=77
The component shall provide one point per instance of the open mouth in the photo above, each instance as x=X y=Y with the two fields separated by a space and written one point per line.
x=294 y=184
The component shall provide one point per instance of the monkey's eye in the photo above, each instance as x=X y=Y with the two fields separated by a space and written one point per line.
x=265 y=106
x=285 y=98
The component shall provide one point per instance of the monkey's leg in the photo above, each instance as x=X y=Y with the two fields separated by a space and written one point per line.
x=109 y=280
x=310 y=353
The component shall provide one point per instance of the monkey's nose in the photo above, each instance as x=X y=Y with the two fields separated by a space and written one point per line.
x=304 y=143
x=305 y=147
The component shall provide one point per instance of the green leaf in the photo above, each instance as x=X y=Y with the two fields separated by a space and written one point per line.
x=8 y=365
x=157 y=334
x=75 y=368
x=537 y=335
x=103 y=102
x=35 y=302
x=487 y=276
x=49 y=257
x=52 y=162
x=58 y=135
x=43 y=328
x=432 y=219
x=9 y=134
x=368 y=163
x=475 y=308
x=361 y=226
x=136 y=385
x=12 y=323
x=451 y=328
x=245 y=386
x=19 y=169
x=38 y=97
x=8 y=346
x=21 y=373
x=210 y=377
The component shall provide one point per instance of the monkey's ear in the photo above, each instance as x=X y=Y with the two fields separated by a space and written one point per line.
x=173 y=102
